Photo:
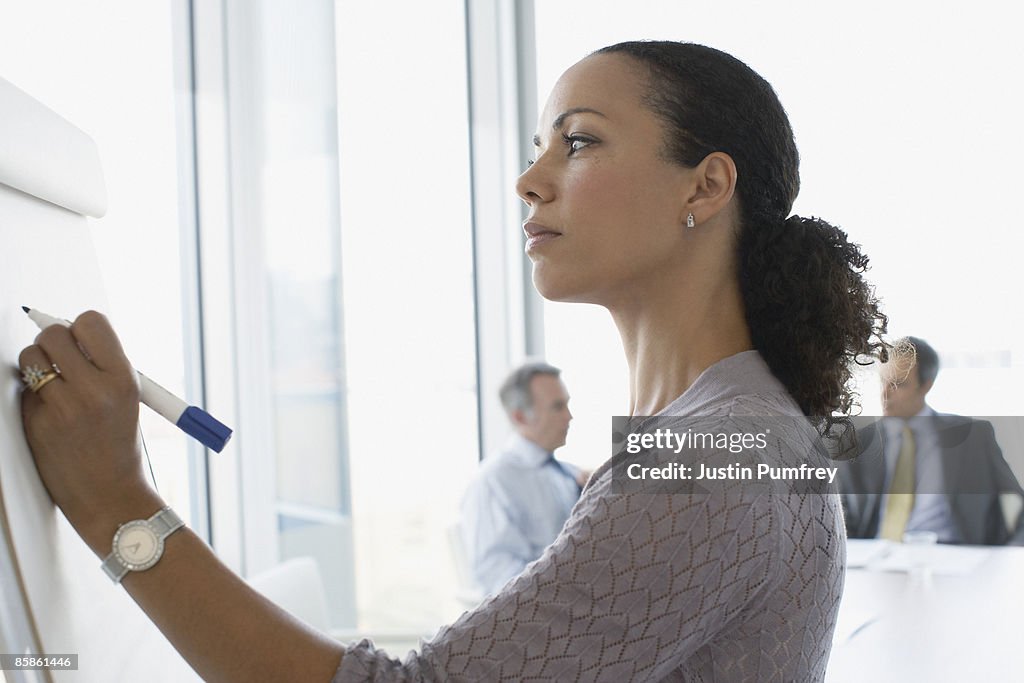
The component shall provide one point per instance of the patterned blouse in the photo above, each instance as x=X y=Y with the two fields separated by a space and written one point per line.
x=738 y=582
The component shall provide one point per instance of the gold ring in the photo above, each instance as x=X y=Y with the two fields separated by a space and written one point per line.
x=36 y=378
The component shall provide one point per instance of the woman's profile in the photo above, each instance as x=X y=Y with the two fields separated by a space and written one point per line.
x=661 y=189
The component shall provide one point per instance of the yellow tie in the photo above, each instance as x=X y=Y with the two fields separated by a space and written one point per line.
x=901 y=491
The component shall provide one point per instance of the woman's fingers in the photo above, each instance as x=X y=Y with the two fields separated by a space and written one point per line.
x=60 y=346
x=38 y=373
x=92 y=331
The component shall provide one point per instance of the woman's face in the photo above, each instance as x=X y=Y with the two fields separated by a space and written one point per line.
x=607 y=212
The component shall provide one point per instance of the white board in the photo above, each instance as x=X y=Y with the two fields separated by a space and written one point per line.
x=50 y=179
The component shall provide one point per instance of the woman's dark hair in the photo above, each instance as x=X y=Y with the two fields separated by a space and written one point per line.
x=810 y=311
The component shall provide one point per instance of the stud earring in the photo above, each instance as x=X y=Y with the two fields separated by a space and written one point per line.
x=689 y=221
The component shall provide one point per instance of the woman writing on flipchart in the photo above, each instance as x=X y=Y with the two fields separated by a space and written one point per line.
x=661 y=189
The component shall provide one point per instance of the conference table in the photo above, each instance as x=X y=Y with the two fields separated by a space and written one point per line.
x=930 y=613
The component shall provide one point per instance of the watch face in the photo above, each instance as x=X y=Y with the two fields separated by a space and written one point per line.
x=137 y=546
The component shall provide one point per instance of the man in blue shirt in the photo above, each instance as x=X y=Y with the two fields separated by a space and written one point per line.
x=522 y=495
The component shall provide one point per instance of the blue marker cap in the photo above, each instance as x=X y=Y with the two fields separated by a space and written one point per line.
x=199 y=424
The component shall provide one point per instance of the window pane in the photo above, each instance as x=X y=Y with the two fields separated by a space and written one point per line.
x=358 y=148
x=408 y=300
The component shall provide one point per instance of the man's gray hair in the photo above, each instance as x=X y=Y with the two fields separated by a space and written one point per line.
x=515 y=390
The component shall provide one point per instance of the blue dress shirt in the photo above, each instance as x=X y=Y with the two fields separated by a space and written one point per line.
x=515 y=507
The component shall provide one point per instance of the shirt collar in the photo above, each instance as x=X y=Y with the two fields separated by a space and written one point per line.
x=894 y=425
x=525 y=452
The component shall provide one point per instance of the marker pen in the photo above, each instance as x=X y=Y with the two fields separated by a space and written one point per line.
x=194 y=421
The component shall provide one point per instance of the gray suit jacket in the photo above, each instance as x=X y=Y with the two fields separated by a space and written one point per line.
x=975 y=475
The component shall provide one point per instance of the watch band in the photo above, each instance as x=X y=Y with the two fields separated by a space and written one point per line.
x=114 y=569
x=162 y=524
x=165 y=522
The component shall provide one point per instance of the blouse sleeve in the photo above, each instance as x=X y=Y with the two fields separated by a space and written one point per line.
x=634 y=585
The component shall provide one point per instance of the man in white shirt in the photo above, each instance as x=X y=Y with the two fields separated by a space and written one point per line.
x=919 y=470
x=522 y=495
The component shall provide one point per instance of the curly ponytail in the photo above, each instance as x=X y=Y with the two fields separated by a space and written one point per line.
x=810 y=311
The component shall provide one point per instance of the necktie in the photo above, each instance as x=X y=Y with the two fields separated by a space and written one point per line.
x=901 y=491
x=561 y=468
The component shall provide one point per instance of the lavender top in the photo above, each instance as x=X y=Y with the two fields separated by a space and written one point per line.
x=734 y=585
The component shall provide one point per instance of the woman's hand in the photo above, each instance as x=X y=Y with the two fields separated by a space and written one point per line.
x=82 y=426
x=83 y=431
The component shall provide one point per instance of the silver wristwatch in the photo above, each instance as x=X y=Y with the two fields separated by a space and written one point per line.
x=139 y=544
